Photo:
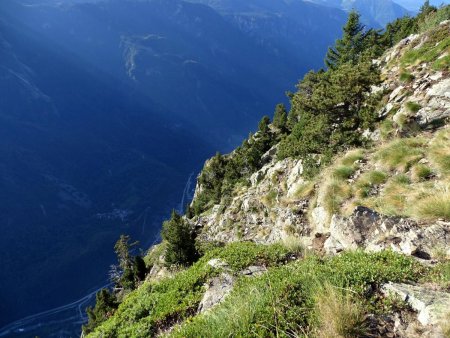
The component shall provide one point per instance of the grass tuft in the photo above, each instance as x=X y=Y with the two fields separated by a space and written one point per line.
x=434 y=206
x=342 y=172
x=401 y=154
x=421 y=172
x=336 y=192
x=440 y=151
x=304 y=190
x=352 y=156
x=413 y=107
x=340 y=314
x=406 y=77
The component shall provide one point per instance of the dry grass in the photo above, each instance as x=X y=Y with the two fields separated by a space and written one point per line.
x=446 y=325
x=294 y=244
x=340 y=314
x=434 y=206
x=440 y=151
x=304 y=190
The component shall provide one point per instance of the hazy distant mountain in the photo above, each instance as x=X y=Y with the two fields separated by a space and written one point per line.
x=107 y=107
x=374 y=13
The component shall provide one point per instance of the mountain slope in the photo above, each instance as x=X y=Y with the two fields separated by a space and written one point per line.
x=107 y=108
x=287 y=251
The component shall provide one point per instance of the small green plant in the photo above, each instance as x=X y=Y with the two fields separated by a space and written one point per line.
x=421 y=172
x=406 y=77
x=342 y=172
x=413 y=107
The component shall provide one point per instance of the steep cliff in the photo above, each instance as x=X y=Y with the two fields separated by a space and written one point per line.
x=352 y=245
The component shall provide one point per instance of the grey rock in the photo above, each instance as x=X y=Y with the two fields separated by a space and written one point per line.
x=217 y=263
x=217 y=289
x=369 y=230
x=254 y=270
x=430 y=305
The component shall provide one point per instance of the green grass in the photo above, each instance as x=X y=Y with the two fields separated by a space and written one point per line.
x=153 y=255
x=437 y=44
x=336 y=193
x=421 y=172
x=343 y=172
x=312 y=296
x=368 y=180
x=285 y=302
x=351 y=157
x=387 y=129
x=440 y=151
x=401 y=154
x=156 y=305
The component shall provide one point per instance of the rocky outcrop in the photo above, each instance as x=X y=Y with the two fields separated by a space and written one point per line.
x=424 y=87
x=367 y=229
x=266 y=211
x=218 y=288
x=432 y=307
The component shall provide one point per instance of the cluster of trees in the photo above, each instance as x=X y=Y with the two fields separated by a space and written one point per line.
x=403 y=27
x=126 y=276
x=222 y=173
x=332 y=107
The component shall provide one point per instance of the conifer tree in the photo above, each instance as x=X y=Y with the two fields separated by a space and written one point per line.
x=180 y=240
x=105 y=305
x=350 y=46
x=280 y=117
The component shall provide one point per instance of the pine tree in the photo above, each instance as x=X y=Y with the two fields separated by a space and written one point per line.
x=105 y=305
x=180 y=240
x=350 y=47
x=280 y=117
x=263 y=125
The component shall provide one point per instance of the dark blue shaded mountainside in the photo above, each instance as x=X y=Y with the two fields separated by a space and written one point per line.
x=107 y=108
